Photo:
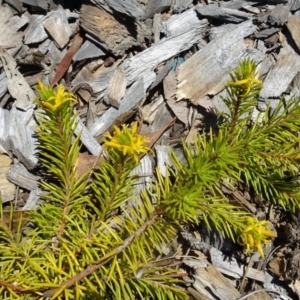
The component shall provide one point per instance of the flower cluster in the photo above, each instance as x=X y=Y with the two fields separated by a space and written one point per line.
x=53 y=99
x=245 y=78
x=255 y=234
x=127 y=141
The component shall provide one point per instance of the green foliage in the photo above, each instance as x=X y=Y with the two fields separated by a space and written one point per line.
x=95 y=238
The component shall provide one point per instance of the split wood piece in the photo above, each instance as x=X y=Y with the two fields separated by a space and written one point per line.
x=88 y=50
x=150 y=110
x=132 y=97
x=22 y=138
x=32 y=203
x=7 y=189
x=238 y=196
x=35 y=32
x=18 y=87
x=43 y=4
x=206 y=72
x=163 y=158
x=156 y=6
x=144 y=173
x=293 y=26
x=86 y=138
x=169 y=85
x=181 y=5
x=279 y=15
x=282 y=73
x=19 y=175
x=223 y=14
x=4 y=130
x=209 y=281
x=162 y=73
x=130 y=8
x=183 y=31
x=86 y=79
x=106 y=29
x=116 y=88
x=233 y=268
x=58 y=27
x=294 y=5
x=9 y=35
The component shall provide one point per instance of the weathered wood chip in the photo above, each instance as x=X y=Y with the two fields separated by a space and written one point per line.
x=182 y=32
x=132 y=97
x=224 y=14
x=293 y=26
x=88 y=50
x=181 y=5
x=22 y=138
x=131 y=8
x=9 y=35
x=279 y=15
x=35 y=33
x=116 y=88
x=107 y=30
x=156 y=6
x=58 y=27
x=210 y=279
x=206 y=72
x=282 y=73
x=7 y=189
x=19 y=175
x=16 y=84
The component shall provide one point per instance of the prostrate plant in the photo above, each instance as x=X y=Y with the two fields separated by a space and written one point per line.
x=94 y=238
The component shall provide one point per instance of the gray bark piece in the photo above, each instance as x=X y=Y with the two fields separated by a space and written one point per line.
x=294 y=5
x=112 y=35
x=116 y=88
x=88 y=50
x=85 y=79
x=18 y=87
x=35 y=33
x=293 y=26
x=279 y=15
x=144 y=172
x=163 y=158
x=133 y=96
x=19 y=175
x=130 y=8
x=206 y=72
x=163 y=73
x=282 y=73
x=9 y=35
x=33 y=200
x=36 y=3
x=22 y=138
x=266 y=32
x=181 y=5
x=87 y=139
x=183 y=31
x=16 y=4
x=3 y=84
x=4 y=129
x=58 y=27
x=156 y=27
x=224 y=14
x=232 y=267
x=235 y=4
x=156 y=6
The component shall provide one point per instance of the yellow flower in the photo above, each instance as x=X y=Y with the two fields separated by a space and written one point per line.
x=245 y=78
x=53 y=99
x=255 y=235
x=127 y=141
